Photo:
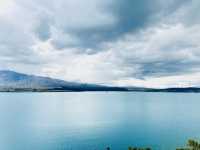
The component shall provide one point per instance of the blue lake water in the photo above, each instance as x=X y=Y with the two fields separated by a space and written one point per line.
x=93 y=121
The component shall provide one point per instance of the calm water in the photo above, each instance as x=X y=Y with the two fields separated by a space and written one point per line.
x=93 y=121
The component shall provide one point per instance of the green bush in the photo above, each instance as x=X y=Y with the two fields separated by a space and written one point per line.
x=191 y=145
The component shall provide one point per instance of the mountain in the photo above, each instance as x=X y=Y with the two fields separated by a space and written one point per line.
x=13 y=81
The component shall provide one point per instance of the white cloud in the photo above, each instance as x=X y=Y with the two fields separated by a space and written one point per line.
x=187 y=80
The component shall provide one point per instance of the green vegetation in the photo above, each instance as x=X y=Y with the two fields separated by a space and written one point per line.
x=132 y=148
x=191 y=145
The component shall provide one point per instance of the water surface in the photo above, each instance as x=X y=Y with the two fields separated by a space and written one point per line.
x=95 y=120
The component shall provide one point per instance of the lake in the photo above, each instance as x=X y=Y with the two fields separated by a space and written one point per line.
x=95 y=120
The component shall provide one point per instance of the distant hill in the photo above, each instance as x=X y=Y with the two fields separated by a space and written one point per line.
x=13 y=81
x=174 y=89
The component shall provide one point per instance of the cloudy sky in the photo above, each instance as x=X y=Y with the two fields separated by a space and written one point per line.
x=153 y=43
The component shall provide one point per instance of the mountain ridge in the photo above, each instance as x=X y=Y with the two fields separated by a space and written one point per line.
x=14 y=81
x=11 y=81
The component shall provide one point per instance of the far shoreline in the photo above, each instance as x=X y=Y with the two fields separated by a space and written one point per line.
x=170 y=90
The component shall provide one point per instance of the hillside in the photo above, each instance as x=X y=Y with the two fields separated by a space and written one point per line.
x=13 y=81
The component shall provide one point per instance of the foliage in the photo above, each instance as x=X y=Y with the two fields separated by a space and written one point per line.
x=191 y=145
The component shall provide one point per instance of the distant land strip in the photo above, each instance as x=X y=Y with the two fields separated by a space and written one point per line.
x=11 y=81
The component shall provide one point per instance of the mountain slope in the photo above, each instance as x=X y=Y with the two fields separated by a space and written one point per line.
x=13 y=81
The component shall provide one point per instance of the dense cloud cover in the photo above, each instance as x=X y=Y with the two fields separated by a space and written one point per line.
x=125 y=42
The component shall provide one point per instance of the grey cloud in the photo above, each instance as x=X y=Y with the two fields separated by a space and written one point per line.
x=43 y=30
x=159 y=52
x=187 y=14
x=166 y=68
x=13 y=40
x=93 y=23
x=131 y=16
x=16 y=44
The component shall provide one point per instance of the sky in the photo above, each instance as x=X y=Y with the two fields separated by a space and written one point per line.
x=114 y=42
